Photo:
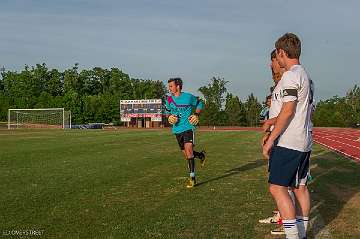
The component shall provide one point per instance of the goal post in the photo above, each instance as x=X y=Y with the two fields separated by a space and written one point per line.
x=56 y=118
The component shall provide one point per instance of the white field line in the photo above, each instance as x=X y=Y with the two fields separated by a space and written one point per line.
x=340 y=142
x=317 y=224
x=341 y=152
x=329 y=135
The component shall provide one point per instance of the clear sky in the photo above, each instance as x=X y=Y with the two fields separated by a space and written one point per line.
x=193 y=39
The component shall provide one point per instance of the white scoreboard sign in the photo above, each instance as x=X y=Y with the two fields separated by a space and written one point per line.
x=141 y=109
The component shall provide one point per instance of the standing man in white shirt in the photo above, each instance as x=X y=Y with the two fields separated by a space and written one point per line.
x=289 y=144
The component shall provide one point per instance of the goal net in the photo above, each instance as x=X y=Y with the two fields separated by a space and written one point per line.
x=39 y=118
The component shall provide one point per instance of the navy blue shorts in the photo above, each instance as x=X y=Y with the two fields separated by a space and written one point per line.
x=185 y=137
x=288 y=167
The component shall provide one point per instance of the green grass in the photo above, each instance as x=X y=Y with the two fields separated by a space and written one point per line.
x=131 y=184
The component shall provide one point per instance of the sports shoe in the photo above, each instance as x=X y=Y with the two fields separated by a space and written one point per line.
x=202 y=158
x=278 y=231
x=271 y=220
x=191 y=183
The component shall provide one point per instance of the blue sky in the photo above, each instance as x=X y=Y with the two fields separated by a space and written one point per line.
x=195 y=40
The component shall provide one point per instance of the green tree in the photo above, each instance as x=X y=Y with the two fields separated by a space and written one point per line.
x=334 y=112
x=233 y=110
x=214 y=98
x=72 y=81
x=353 y=100
x=252 y=109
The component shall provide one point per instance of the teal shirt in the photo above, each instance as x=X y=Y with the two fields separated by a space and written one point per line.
x=182 y=107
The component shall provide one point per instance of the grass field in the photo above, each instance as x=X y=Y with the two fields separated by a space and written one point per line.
x=130 y=184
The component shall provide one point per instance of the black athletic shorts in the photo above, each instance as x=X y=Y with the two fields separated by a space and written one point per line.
x=288 y=167
x=185 y=137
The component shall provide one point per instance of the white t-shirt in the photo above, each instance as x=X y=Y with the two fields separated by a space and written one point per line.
x=275 y=108
x=294 y=86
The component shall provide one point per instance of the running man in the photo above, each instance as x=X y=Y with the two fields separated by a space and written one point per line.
x=180 y=105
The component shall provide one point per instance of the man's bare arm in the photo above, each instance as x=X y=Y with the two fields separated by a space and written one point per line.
x=282 y=121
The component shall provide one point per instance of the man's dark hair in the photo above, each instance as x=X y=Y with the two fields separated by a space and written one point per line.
x=177 y=80
x=291 y=44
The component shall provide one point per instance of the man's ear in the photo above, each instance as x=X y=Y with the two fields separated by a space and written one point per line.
x=283 y=53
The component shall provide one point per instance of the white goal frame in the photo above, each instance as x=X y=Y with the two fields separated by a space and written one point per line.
x=64 y=123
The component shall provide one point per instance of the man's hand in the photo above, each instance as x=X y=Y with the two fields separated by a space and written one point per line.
x=194 y=119
x=268 y=123
x=265 y=138
x=267 y=148
x=172 y=119
x=266 y=126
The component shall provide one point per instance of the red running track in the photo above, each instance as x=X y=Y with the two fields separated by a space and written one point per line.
x=343 y=140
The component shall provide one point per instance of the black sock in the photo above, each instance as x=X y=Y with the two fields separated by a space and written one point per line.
x=196 y=154
x=191 y=163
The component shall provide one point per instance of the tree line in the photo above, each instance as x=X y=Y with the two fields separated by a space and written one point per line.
x=93 y=95
x=225 y=109
x=339 y=111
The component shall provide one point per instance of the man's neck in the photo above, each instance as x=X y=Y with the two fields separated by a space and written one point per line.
x=291 y=62
x=176 y=94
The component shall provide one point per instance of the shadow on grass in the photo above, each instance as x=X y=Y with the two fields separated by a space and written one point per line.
x=336 y=182
x=242 y=168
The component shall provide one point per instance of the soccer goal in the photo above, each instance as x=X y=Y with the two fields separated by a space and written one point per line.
x=56 y=118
